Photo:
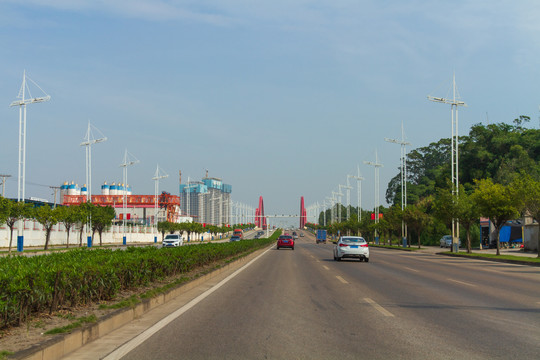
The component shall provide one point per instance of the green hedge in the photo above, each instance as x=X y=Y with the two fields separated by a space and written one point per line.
x=31 y=285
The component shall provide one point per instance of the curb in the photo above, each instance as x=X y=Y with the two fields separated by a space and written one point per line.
x=61 y=345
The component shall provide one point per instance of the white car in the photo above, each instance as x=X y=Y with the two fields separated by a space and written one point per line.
x=351 y=247
x=172 y=240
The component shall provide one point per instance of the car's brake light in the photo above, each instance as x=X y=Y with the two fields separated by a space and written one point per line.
x=342 y=245
x=364 y=245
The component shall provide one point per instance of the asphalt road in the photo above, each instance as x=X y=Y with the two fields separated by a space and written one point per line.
x=303 y=305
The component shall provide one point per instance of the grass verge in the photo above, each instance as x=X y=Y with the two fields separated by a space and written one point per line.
x=80 y=322
x=507 y=258
x=395 y=247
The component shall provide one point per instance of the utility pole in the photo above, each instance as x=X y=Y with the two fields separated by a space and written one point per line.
x=454 y=103
x=55 y=189
x=376 y=165
x=403 y=171
x=4 y=177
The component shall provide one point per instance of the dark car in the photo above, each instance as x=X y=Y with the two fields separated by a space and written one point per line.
x=285 y=241
x=235 y=238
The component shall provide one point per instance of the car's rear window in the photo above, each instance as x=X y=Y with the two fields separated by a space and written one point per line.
x=353 y=240
x=285 y=237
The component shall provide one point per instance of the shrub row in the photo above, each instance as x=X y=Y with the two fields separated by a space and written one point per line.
x=31 y=285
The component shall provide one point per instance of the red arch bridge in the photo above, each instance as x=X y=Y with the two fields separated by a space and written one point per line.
x=260 y=217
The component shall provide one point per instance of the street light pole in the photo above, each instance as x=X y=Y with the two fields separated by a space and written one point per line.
x=129 y=160
x=376 y=165
x=403 y=168
x=454 y=103
x=157 y=176
x=21 y=103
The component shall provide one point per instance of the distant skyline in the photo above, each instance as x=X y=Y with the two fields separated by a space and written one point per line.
x=279 y=98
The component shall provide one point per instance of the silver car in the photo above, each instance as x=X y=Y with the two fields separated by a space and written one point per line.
x=446 y=241
x=351 y=247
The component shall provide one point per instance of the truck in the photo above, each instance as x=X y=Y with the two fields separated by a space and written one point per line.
x=239 y=233
x=321 y=236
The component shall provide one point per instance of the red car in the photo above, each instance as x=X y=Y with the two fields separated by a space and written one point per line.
x=285 y=241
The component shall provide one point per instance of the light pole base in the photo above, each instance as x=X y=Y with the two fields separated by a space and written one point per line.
x=20 y=243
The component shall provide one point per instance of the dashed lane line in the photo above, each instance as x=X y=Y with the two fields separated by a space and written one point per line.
x=342 y=279
x=408 y=268
x=145 y=335
x=379 y=307
x=462 y=282
x=326 y=267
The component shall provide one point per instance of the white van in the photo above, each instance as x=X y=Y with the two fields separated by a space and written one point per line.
x=172 y=240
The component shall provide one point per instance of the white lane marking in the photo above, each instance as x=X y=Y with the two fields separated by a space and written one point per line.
x=461 y=282
x=378 y=307
x=408 y=268
x=326 y=267
x=145 y=335
x=342 y=279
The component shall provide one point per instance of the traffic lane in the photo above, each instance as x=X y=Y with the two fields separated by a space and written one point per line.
x=517 y=284
x=286 y=306
x=467 y=312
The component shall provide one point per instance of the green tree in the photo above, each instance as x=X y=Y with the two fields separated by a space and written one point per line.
x=82 y=213
x=163 y=227
x=16 y=211
x=4 y=209
x=102 y=217
x=48 y=218
x=417 y=217
x=67 y=215
x=528 y=191
x=498 y=202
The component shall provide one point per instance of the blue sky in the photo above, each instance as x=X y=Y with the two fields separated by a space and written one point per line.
x=277 y=98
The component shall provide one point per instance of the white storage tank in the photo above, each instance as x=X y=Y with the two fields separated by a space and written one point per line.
x=84 y=190
x=114 y=189
x=128 y=189
x=105 y=189
x=73 y=189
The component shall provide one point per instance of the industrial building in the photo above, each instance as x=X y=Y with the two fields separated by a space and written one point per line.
x=207 y=201
x=140 y=209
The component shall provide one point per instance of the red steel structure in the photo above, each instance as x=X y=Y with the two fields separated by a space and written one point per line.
x=260 y=219
x=165 y=200
x=303 y=213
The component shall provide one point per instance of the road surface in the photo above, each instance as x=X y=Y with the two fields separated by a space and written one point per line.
x=300 y=304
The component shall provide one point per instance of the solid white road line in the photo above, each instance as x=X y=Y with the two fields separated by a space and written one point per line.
x=136 y=341
x=342 y=279
x=461 y=282
x=378 y=307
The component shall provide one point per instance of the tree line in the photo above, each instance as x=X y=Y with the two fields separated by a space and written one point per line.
x=74 y=217
x=499 y=173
